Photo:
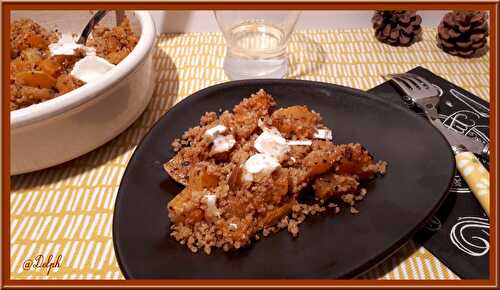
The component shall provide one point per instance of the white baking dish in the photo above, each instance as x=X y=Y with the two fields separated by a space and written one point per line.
x=63 y=128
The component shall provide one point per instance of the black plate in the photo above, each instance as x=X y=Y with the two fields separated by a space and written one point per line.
x=420 y=171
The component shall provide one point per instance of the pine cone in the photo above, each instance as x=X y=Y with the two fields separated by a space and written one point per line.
x=464 y=33
x=397 y=27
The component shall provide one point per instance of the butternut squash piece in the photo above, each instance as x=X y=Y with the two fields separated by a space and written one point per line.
x=35 y=79
x=49 y=66
x=275 y=215
x=334 y=185
x=178 y=211
x=200 y=178
x=280 y=185
x=354 y=160
x=318 y=162
x=296 y=121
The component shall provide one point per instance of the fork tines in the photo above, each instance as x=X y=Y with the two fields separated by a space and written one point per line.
x=411 y=83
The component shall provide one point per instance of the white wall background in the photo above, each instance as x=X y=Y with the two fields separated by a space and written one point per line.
x=204 y=21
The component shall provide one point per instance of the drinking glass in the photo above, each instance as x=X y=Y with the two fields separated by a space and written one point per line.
x=256 y=42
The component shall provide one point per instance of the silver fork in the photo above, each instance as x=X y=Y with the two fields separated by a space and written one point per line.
x=421 y=92
x=96 y=18
x=426 y=97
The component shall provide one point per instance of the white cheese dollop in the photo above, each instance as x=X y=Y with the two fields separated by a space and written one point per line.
x=223 y=143
x=215 y=131
x=67 y=45
x=259 y=164
x=91 y=68
x=270 y=142
x=323 y=134
x=212 y=209
x=220 y=142
x=300 y=142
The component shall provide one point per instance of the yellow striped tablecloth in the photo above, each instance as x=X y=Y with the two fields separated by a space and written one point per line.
x=67 y=210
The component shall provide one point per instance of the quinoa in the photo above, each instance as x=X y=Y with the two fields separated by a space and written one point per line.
x=115 y=43
x=220 y=207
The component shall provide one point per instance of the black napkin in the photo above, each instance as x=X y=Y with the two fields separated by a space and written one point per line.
x=458 y=234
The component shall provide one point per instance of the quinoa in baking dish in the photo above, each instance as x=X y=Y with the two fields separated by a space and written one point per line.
x=37 y=74
x=246 y=171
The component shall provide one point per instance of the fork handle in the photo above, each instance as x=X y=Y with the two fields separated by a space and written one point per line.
x=98 y=16
x=476 y=176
